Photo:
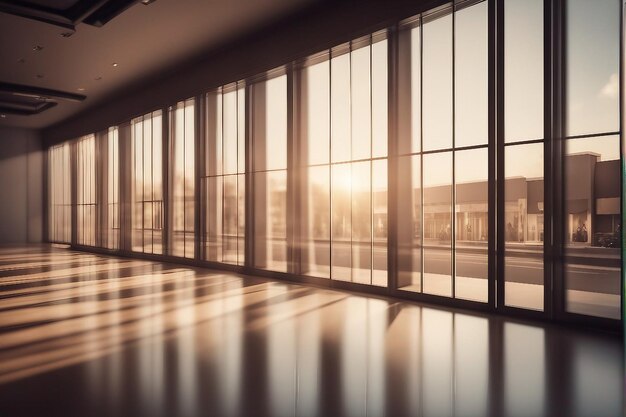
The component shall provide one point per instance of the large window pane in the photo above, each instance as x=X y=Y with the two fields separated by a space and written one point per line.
x=315 y=123
x=316 y=223
x=59 y=227
x=147 y=183
x=86 y=191
x=523 y=70
x=342 y=222
x=182 y=124
x=270 y=124
x=471 y=256
x=379 y=222
x=270 y=220
x=470 y=76
x=360 y=101
x=223 y=190
x=593 y=54
x=379 y=99
x=523 y=226
x=437 y=83
x=593 y=223
x=438 y=223
x=361 y=222
x=341 y=149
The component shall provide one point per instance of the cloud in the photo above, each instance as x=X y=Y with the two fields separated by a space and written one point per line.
x=611 y=88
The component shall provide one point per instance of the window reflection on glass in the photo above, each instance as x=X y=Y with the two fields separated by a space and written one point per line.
x=437 y=183
x=592 y=226
x=223 y=191
x=471 y=216
x=523 y=226
x=437 y=83
x=60 y=206
x=523 y=70
x=86 y=191
x=182 y=125
x=147 y=183
x=593 y=55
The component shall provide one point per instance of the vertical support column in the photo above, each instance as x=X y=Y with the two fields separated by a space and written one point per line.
x=249 y=197
x=493 y=42
x=293 y=177
x=125 y=158
x=257 y=207
x=399 y=242
x=73 y=189
x=45 y=201
x=168 y=125
x=102 y=187
x=302 y=198
x=554 y=117
x=199 y=202
x=499 y=157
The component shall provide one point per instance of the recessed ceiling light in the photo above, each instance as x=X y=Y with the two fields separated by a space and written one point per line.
x=98 y=78
x=81 y=89
x=146 y=2
x=37 y=48
x=3 y=115
x=115 y=64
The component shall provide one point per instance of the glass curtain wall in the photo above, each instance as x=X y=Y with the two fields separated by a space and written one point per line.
x=59 y=194
x=592 y=158
x=312 y=192
x=182 y=162
x=523 y=223
x=147 y=183
x=443 y=208
x=86 y=196
x=269 y=116
x=342 y=122
x=223 y=182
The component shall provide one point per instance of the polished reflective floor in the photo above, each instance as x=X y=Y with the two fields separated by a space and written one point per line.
x=90 y=335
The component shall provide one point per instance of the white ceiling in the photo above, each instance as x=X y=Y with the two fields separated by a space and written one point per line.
x=144 y=40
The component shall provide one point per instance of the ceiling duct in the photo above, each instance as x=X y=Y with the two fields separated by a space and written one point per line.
x=27 y=100
x=67 y=13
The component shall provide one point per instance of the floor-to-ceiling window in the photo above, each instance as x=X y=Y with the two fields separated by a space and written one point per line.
x=342 y=123
x=86 y=197
x=269 y=172
x=147 y=183
x=592 y=214
x=442 y=205
x=59 y=194
x=296 y=161
x=223 y=182
x=182 y=161
x=523 y=159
